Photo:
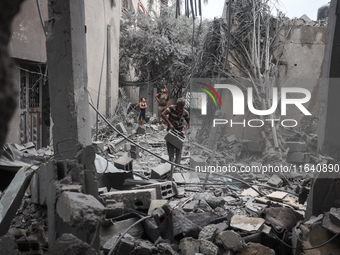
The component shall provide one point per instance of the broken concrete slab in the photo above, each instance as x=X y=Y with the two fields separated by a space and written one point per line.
x=246 y=224
x=121 y=128
x=163 y=189
x=208 y=232
x=124 y=163
x=275 y=181
x=189 y=246
x=250 y=192
x=11 y=199
x=113 y=210
x=71 y=245
x=232 y=241
x=161 y=171
x=184 y=227
x=277 y=195
x=192 y=205
x=215 y=202
x=178 y=178
x=208 y=248
x=135 y=199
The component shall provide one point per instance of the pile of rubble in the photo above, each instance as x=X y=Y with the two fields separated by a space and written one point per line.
x=116 y=198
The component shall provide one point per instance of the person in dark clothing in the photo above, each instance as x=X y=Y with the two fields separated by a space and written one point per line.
x=163 y=100
x=142 y=107
x=175 y=115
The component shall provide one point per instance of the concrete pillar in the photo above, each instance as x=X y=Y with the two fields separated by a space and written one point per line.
x=329 y=124
x=67 y=67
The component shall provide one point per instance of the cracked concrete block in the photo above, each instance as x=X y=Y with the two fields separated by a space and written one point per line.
x=216 y=202
x=248 y=224
x=79 y=214
x=124 y=163
x=79 y=209
x=161 y=171
x=189 y=207
x=189 y=246
x=113 y=210
x=121 y=128
x=208 y=232
x=174 y=138
x=208 y=248
x=275 y=181
x=163 y=189
x=178 y=178
x=232 y=241
x=135 y=199
x=296 y=146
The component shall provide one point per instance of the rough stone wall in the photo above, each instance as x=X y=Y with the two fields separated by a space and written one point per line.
x=8 y=93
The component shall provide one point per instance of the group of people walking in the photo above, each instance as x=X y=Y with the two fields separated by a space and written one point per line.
x=173 y=115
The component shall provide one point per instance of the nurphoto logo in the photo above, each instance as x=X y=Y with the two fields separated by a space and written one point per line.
x=238 y=104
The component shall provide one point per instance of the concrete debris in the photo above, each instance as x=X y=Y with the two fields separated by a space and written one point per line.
x=121 y=128
x=8 y=245
x=89 y=201
x=255 y=249
x=189 y=246
x=134 y=199
x=232 y=241
x=281 y=218
x=208 y=232
x=246 y=224
x=275 y=181
x=71 y=245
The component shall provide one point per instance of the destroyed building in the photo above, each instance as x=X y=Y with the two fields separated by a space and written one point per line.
x=120 y=194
